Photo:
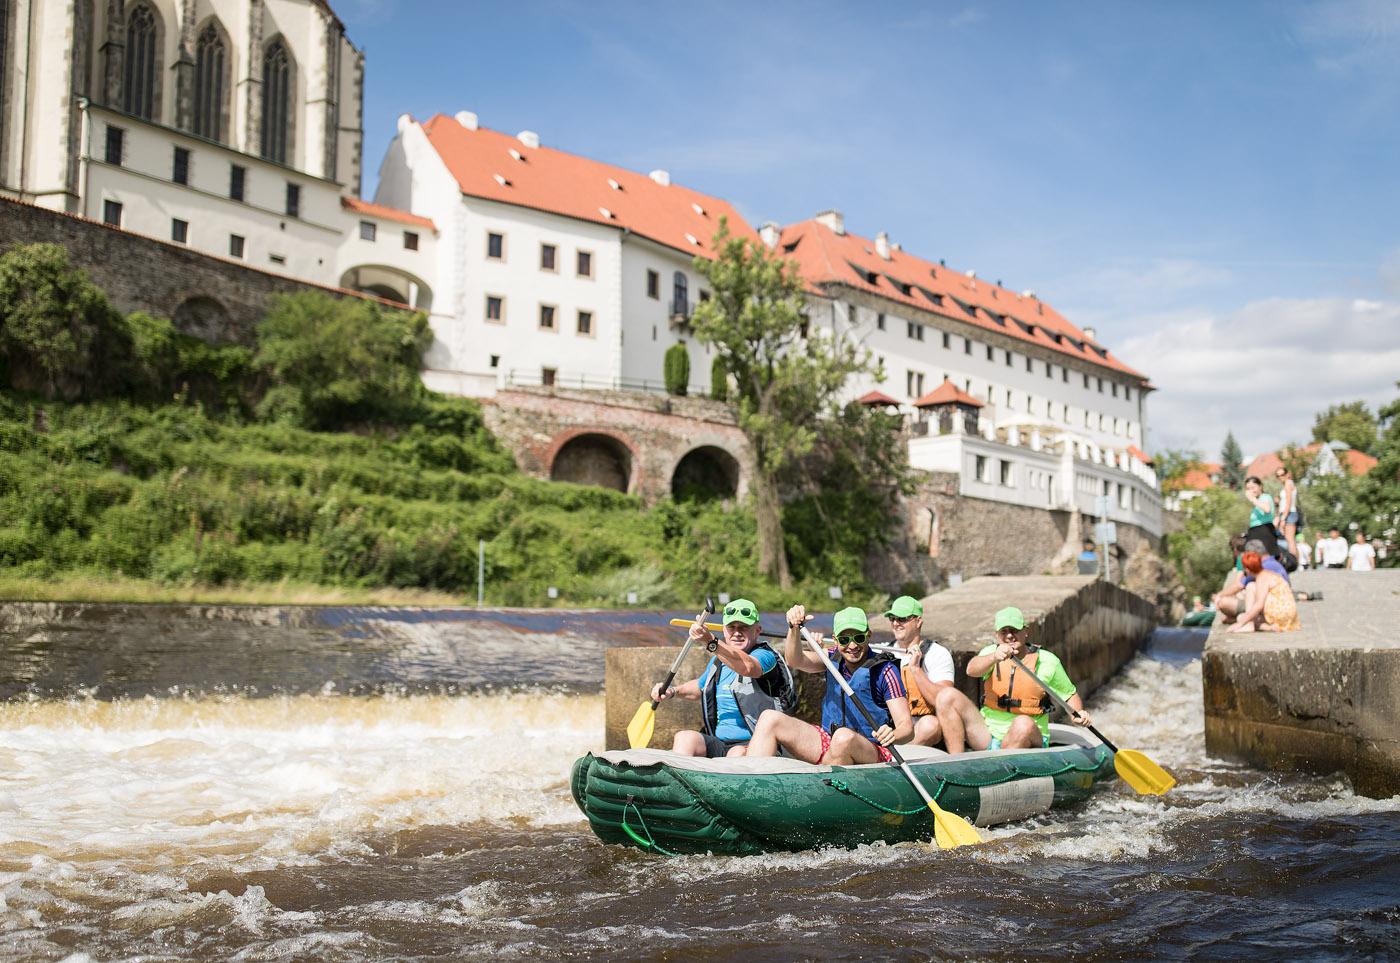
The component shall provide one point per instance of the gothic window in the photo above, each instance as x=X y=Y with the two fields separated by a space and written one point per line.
x=142 y=62
x=277 y=102
x=4 y=59
x=209 y=86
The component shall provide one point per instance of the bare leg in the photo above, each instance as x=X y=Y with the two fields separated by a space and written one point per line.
x=1023 y=734
x=1229 y=607
x=850 y=748
x=801 y=739
x=927 y=731
x=688 y=742
x=737 y=751
x=961 y=723
x=1290 y=532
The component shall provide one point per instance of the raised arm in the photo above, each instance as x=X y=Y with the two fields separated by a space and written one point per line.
x=980 y=665
x=794 y=651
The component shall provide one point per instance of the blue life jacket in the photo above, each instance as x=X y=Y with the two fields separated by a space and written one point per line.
x=837 y=710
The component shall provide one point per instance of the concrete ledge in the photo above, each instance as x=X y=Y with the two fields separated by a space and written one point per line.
x=1094 y=626
x=1323 y=699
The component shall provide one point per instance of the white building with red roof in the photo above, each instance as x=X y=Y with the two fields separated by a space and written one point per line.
x=552 y=268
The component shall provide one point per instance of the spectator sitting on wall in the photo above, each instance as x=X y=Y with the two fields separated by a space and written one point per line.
x=1361 y=557
x=1229 y=601
x=1088 y=560
x=1269 y=602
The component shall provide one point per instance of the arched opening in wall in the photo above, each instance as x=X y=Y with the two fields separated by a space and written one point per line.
x=705 y=474
x=593 y=459
x=933 y=533
x=390 y=284
x=206 y=319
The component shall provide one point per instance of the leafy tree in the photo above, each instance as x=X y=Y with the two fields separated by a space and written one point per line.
x=676 y=368
x=1351 y=423
x=1172 y=464
x=1297 y=460
x=788 y=379
x=1200 y=552
x=1378 y=491
x=1231 y=457
x=334 y=361
x=53 y=322
x=719 y=379
x=165 y=363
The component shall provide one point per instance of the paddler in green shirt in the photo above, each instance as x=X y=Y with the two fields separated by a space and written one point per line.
x=1015 y=711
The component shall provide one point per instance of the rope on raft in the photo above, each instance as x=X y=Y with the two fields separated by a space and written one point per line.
x=648 y=842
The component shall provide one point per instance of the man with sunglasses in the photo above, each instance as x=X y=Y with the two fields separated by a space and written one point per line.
x=1015 y=711
x=744 y=679
x=843 y=738
x=925 y=665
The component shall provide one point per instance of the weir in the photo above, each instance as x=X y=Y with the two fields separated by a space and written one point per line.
x=1094 y=626
x=1325 y=698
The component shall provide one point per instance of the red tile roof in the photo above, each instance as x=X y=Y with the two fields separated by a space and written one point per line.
x=875 y=398
x=370 y=209
x=826 y=257
x=947 y=394
x=1355 y=462
x=1139 y=454
x=552 y=180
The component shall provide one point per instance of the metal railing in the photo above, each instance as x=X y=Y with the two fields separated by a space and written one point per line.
x=534 y=378
x=681 y=310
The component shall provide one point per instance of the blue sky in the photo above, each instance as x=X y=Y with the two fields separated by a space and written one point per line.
x=1213 y=186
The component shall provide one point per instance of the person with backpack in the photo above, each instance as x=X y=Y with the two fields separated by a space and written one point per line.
x=843 y=738
x=743 y=679
x=925 y=666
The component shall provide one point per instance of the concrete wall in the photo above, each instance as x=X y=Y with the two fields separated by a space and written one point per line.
x=1325 y=698
x=1094 y=627
x=143 y=274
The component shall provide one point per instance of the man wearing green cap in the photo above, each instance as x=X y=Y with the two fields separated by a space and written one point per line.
x=925 y=665
x=1015 y=709
x=743 y=679
x=844 y=738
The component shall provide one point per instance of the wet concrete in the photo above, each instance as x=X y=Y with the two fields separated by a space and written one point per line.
x=1094 y=626
x=1325 y=698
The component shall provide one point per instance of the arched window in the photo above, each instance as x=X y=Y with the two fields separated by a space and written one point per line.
x=4 y=60
x=277 y=102
x=142 y=62
x=679 y=298
x=210 y=59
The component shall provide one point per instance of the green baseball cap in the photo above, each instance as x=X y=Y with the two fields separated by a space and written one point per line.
x=903 y=607
x=1010 y=618
x=741 y=610
x=851 y=618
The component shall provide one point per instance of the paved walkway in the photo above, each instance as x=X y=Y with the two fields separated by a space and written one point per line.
x=1358 y=609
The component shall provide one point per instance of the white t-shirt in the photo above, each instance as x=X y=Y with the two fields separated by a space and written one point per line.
x=1332 y=551
x=1363 y=557
x=938 y=663
x=1304 y=554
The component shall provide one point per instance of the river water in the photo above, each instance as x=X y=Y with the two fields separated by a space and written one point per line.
x=411 y=824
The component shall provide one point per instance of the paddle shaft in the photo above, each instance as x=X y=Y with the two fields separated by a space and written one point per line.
x=1065 y=706
x=685 y=650
x=716 y=627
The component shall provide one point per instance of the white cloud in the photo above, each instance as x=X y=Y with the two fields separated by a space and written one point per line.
x=1264 y=370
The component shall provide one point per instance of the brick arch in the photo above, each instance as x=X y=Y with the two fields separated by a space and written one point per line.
x=591 y=446
x=698 y=462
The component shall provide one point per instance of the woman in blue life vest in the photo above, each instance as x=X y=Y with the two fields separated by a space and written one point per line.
x=843 y=738
x=742 y=680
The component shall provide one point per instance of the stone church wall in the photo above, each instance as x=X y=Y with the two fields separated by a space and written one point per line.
x=211 y=297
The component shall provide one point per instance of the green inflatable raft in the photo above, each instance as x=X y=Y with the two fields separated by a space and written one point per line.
x=669 y=804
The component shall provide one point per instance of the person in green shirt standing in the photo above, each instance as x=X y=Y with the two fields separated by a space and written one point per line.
x=1015 y=711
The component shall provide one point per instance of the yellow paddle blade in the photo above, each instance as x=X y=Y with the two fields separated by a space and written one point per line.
x=950 y=830
x=686 y=623
x=1142 y=773
x=643 y=723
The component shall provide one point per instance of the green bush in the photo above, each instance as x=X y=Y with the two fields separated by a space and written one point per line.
x=676 y=369
x=719 y=379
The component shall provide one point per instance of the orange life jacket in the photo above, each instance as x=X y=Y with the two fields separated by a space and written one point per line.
x=1011 y=690
x=917 y=705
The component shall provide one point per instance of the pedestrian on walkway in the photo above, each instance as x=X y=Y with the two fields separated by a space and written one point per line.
x=1361 y=557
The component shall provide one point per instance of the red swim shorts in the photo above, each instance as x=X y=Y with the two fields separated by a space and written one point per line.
x=826 y=745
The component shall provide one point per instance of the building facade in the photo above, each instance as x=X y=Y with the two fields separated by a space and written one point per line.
x=233 y=127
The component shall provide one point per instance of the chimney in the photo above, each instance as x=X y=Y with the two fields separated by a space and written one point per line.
x=529 y=138
x=882 y=245
x=661 y=177
x=972 y=279
x=466 y=118
x=769 y=234
x=404 y=122
x=833 y=220
x=1091 y=334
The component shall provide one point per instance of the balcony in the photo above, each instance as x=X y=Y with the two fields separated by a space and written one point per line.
x=681 y=311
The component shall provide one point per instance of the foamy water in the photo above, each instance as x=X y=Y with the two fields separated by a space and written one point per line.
x=337 y=827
